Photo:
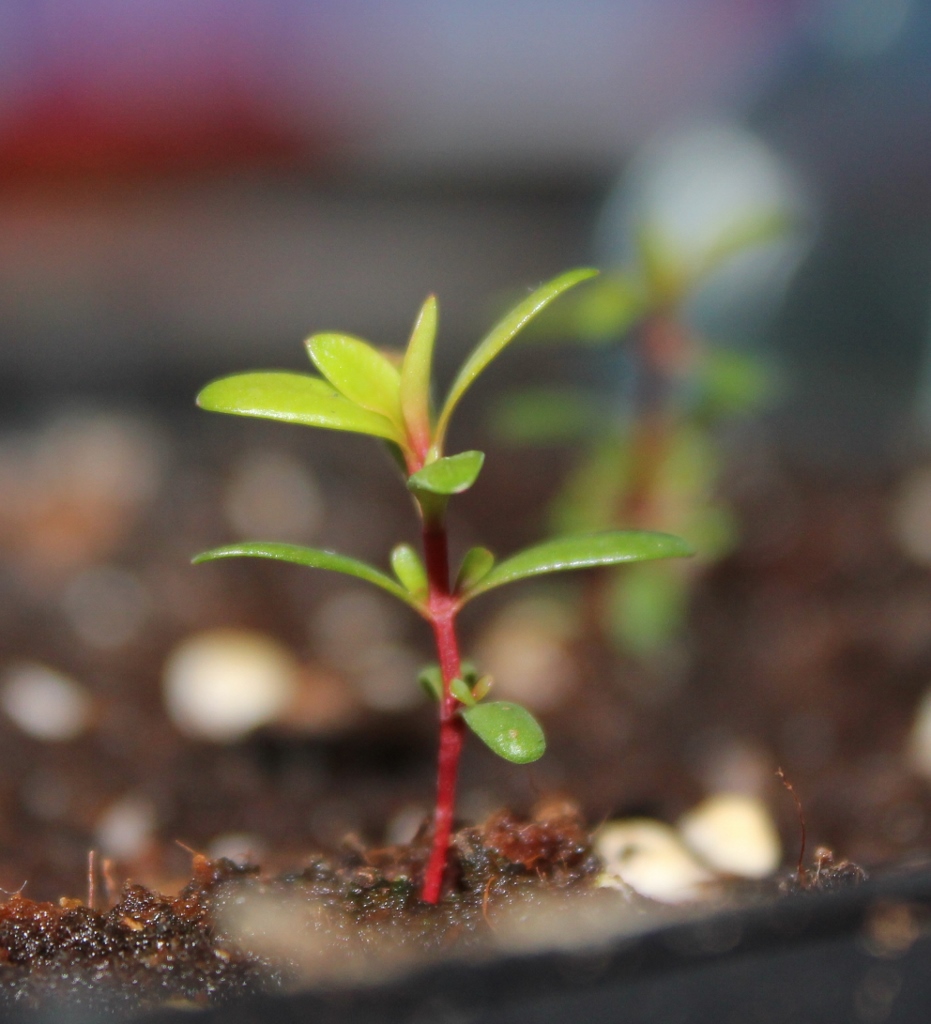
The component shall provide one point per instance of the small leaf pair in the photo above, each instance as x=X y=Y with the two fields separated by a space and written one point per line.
x=478 y=573
x=507 y=729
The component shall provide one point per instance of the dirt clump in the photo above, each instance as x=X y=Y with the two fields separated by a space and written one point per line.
x=196 y=949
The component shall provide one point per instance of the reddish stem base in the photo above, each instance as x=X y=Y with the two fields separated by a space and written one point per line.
x=442 y=607
x=451 y=737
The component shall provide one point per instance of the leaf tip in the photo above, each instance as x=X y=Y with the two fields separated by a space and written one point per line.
x=205 y=397
x=448 y=475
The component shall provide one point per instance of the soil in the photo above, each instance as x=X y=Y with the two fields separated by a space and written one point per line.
x=338 y=917
x=808 y=649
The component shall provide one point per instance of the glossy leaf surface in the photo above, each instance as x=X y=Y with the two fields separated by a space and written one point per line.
x=613 y=547
x=314 y=558
x=459 y=688
x=476 y=564
x=409 y=569
x=507 y=729
x=293 y=398
x=451 y=475
x=415 y=375
x=359 y=372
x=499 y=336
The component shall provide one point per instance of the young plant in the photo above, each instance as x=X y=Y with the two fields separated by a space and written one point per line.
x=654 y=459
x=363 y=391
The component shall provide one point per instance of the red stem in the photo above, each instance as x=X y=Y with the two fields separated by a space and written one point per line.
x=663 y=351
x=442 y=612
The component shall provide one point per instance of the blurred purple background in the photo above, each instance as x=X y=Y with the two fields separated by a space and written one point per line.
x=405 y=86
x=187 y=187
x=180 y=178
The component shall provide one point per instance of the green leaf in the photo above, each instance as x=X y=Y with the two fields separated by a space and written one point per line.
x=662 y=267
x=609 y=308
x=293 y=398
x=415 y=375
x=613 y=547
x=647 y=608
x=360 y=373
x=482 y=687
x=431 y=679
x=761 y=227
x=499 y=336
x=460 y=690
x=409 y=570
x=590 y=497
x=476 y=564
x=547 y=416
x=314 y=558
x=731 y=383
x=507 y=729
x=451 y=475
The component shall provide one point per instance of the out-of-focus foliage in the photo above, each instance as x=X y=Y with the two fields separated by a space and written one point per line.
x=652 y=454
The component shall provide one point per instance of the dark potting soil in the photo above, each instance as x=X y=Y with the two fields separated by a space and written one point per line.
x=808 y=648
x=234 y=931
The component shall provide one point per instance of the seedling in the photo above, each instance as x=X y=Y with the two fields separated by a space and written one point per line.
x=363 y=391
x=654 y=458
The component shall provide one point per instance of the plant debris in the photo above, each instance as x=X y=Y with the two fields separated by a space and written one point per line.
x=825 y=875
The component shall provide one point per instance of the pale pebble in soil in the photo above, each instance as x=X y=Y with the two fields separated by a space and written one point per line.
x=650 y=858
x=222 y=684
x=525 y=650
x=324 y=704
x=72 y=490
x=386 y=679
x=728 y=763
x=239 y=847
x=272 y=494
x=734 y=834
x=46 y=704
x=126 y=827
x=918 y=750
x=347 y=625
x=106 y=606
x=911 y=516
x=405 y=823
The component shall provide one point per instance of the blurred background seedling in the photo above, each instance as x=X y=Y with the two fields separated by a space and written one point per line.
x=651 y=441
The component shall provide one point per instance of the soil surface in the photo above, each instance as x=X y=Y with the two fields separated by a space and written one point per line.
x=233 y=931
x=808 y=649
